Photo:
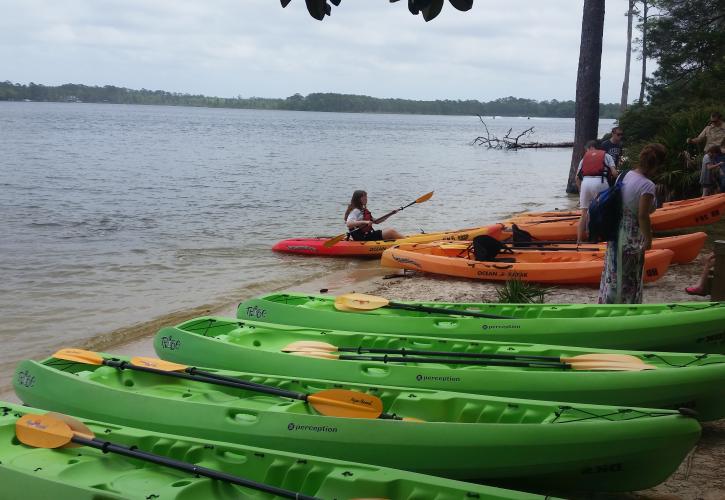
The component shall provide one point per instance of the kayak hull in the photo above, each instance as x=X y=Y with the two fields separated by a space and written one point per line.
x=676 y=327
x=527 y=443
x=373 y=249
x=679 y=380
x=554 y=267
x=86 y=473
x=675 y=215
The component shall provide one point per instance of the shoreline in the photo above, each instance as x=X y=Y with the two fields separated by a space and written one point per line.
x=698 y=476
x=136 y=339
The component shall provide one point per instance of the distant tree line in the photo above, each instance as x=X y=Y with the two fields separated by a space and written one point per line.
x=345 y=103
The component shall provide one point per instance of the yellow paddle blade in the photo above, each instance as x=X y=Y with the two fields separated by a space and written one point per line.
x=362 y=301
x=78 y=428
x=425 y=197
x=79 y=356
x=309 y=345
x=158 y=364
x=42 y=431
x=613 y=367
x=605 y=357
x=345 y=403
x=334 y=241
x=314 y=354
x=342 y=307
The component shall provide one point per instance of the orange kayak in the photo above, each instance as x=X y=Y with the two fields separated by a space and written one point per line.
x=554 y=267
x=686 y=247
x=673 y=215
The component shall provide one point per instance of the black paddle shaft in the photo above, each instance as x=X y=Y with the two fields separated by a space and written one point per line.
x=395 y=211
x=108 y=447
x=477 y=355
x=197 y=375
x=215 y=379
x=449 y=361
x=545 y=248
x=442 y=310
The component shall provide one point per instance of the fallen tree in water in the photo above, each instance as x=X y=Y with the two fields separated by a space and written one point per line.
x=512 y=142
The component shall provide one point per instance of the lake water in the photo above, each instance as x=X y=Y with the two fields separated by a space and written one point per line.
x=112 y=215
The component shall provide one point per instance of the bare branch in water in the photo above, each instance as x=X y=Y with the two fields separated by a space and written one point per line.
x=510 y=142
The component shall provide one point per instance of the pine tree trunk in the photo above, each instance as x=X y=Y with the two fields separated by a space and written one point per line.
x=586 y=114
x=628 y=58
x=644 y=51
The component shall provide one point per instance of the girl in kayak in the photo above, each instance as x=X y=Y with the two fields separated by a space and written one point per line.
x=360 y=221
x=621 y=281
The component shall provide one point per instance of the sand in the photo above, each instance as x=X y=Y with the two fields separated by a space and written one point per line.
x=700 y=475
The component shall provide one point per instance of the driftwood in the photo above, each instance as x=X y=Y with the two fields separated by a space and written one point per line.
x=512 y=142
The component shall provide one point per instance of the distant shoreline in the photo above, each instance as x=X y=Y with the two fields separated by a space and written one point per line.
x=320 y=102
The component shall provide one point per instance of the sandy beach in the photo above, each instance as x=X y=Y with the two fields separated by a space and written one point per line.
x=698 y=477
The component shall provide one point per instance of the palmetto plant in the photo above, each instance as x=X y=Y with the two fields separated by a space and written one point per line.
x=679 y=176
x=521 y=292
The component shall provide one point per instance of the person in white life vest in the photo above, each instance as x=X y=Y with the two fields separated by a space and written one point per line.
x=595 y=170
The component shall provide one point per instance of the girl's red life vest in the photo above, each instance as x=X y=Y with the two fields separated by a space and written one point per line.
x=593 y=164
x=366 y=216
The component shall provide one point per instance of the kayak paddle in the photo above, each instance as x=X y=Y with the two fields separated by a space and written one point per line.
x=534 y=247
x=328 y=402
x=579 y=365
x=340 y=237
x=55 y=431
x=307 y=345
x=549 y=221
x=546 y=248
x=364 y=302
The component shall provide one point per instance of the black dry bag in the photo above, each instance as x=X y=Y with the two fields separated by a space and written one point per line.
x=605 y=213
x=486 y=248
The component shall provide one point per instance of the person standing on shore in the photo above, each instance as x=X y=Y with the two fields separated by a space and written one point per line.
x=711 y=173
x=614 y=146
x=592 y=177
x=713 y=134
x=360 y=221
x=621 y=281
x=701 y=287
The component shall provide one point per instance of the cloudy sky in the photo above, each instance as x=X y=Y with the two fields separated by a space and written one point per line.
x=226 y=48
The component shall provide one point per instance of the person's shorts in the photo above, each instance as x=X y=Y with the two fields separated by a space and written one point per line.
x=590 y=188
x=374 y=235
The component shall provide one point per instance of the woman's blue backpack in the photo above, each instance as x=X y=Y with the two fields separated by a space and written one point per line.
x=605 y=213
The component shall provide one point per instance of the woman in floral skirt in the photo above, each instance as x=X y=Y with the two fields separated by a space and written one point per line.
x=622 y=277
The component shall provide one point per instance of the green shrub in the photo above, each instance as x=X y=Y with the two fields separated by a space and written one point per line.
x=521 y=292
x=679 y=177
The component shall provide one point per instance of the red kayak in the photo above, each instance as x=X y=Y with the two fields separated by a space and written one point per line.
x=315 y=246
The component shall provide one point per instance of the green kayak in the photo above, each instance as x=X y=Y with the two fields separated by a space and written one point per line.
x=676 y=380
x=520 y=443
x=677 y=327
x=87 y=473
